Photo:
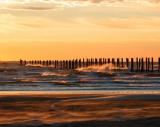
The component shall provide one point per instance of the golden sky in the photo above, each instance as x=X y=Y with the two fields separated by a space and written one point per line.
x=63 y=29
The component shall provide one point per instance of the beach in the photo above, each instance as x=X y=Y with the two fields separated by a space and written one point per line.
x=77 y=109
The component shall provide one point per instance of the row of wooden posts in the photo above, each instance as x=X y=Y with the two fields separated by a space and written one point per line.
x=133 y=64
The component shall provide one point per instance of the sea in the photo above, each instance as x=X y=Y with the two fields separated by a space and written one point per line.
x=14 y=77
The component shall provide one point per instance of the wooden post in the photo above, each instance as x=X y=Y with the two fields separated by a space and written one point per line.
x=83 y=63
x=127 y=62
x=40 y=62
x=96 y=61
x=118 y=62
x=122 y=63
x=132 y=64
x=73 y=64
x=21 y=62
x=92 y=61
x=32 y=62
x=70 y=64
x=152 y=64
x=109 y=61
x=66 y=65
x=43 y=62
x=63 y=64
x=105 y=61
x=158 y=64
x=146 y=64
x=137 y=64
x=142 y=65
x=113 y=61
x=100 y=61
x=79 y=63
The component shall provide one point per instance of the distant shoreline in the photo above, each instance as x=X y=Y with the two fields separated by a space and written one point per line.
x=74 y=92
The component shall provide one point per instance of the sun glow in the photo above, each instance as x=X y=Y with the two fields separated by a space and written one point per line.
x=6 y=1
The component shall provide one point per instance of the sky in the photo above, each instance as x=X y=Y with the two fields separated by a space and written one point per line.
x=68 y=29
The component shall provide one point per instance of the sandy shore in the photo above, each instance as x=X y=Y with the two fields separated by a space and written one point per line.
x=79 y=109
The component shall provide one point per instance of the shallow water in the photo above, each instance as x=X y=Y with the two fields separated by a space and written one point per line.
x=38 y=78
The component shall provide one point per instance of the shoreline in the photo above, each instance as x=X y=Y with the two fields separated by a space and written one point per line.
x=90 y=92
x=29 y=109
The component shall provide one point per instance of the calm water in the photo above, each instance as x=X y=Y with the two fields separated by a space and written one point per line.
x=17 y=78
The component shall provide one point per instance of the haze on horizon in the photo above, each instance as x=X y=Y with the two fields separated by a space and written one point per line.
x=64 y=29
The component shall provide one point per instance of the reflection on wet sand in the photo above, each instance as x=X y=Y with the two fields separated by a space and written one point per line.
x=67 y=109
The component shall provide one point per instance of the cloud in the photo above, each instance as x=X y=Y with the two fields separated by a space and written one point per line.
x=54 y=4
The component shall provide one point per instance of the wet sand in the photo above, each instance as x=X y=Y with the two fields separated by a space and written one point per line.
x=80 y=110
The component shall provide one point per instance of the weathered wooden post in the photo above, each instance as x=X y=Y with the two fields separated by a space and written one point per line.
x=132 y=64
x=56 y=64
x=96 y=61
x=152 y=64
x=127 y=62
x=73 y=64
x=148 y=64
x=142 y=65
x=47 y=63
x=79 y=63
x=66 y=64
x=158 y=64
x=113 y=61
x=76 y=63
x=118 y=62
x=86 y=63
x=63 y=64
x=21 y=62
x=70 y=64
x=137 y=64
x=105 y=61
x=100 y=61
x=92 y=61
x=109 y=60
x=122 y=63
x=32 y=62
x=83 y=62
x=89 y=62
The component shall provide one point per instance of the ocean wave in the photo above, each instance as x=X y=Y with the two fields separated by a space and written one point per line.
x=59 y=74
x=109 y=68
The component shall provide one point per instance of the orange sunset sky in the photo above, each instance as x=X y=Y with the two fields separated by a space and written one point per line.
x=65 y=29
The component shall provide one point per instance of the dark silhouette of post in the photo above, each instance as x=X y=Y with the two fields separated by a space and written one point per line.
x=96 y=61
x=137 y=64
x=152 y=64
x=122 y=63
x=127 y=62
x=109 y=60
x=105 y=61
x=79 y=63
x=132 y=64
x=158 y=64
x=83 y=62
x=118 y=62
x=146 y=64
x=21 y=62
x=100 y=61
x=142 y=65
x=113 y=61
x=70 y=64
x=73 y=64
x=149 y=64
